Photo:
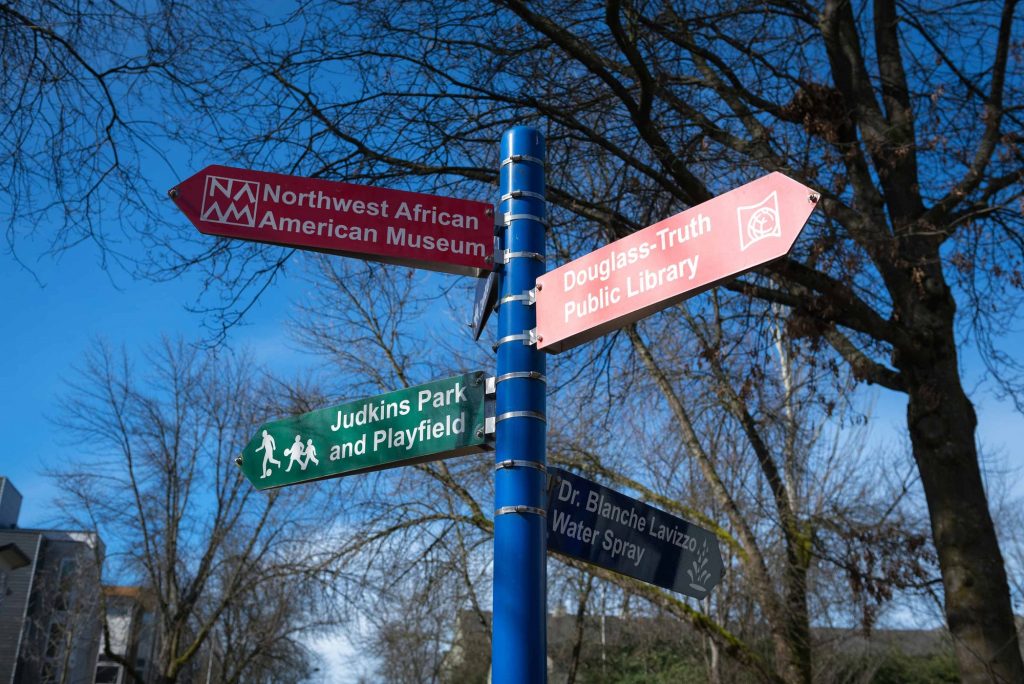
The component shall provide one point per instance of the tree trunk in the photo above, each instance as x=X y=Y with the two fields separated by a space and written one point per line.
x=942 y=426
x=796 y=623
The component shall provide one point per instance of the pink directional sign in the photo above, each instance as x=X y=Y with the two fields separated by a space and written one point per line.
x=393 y=226
x=674 y=259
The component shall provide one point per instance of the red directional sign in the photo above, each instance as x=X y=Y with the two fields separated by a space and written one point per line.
x=393 y=226
x=676 y=258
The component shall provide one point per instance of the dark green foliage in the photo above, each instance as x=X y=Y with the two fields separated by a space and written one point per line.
x=650 y=663
x=902 y=669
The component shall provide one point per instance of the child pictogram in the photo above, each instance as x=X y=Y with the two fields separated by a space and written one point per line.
x=294 y=454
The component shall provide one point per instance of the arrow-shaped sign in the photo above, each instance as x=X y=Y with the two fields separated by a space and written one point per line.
x=676 y=258
x=436 y=420
x=611 y=530
x=393 y=226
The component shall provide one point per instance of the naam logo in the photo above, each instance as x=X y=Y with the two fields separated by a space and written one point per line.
x=230 y=201
x=759 y=221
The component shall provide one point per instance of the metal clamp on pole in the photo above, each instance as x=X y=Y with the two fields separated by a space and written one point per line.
x=508 y=255
x=521 y=414
x=509 y=218
x=528 y=298
x=505 y=510
x=522 y=159
x=519 y=375
x=513 y=463
x=519 y=194
x=527 y=338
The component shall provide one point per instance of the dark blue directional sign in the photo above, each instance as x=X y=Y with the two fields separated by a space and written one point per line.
x=601 y=526
x=483 y=303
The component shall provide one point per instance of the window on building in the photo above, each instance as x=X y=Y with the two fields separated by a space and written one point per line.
x=65 y=583
x=55 y=639
x=108 y=674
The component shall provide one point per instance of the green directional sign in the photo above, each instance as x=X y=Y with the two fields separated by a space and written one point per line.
x=436 y=420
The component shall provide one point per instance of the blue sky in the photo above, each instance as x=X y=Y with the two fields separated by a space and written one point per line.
x=54 y=312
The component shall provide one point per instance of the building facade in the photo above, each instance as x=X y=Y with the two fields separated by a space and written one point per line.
x=49 y=620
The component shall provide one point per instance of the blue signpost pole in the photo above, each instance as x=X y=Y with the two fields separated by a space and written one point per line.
x=519 y=638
